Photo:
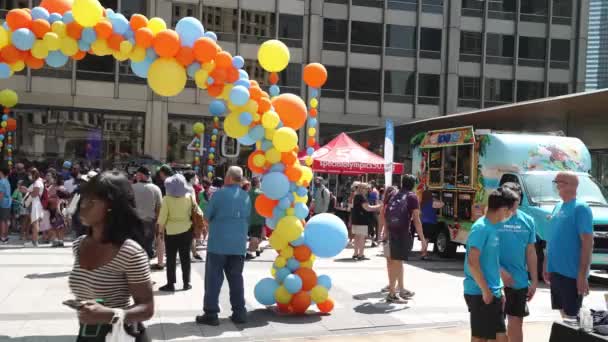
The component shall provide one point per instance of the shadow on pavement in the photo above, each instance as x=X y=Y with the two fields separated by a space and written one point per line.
x=369 y=295
x=47 y=275
x=60 y=338
x=379 y=308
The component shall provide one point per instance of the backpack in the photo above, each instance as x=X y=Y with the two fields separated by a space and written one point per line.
x=397 y=211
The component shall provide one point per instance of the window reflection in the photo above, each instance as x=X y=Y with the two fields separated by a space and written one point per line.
x=530 y=90
x=291 y=29
x=364 y=84
x=400 y=40
x=222 y=21
x=366 y=37
x=257 y=26
x=498 y=92
x=335 y=33
x=336 y=82
x=181 y=11
x=399 y=86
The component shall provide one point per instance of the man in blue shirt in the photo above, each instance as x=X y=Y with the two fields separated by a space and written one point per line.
x=228 y=214
x=482 y=283
x=5 y=204
x=569 y=248
x=517 y=257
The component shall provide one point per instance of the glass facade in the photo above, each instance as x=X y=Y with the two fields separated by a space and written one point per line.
x=498 y=92
x=597 y=46
x=469 y=92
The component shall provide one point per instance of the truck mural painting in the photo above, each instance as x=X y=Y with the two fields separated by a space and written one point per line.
x=462 y=166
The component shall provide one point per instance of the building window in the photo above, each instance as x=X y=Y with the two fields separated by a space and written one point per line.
x=470 y=46
x=335 y=33
x=222 y=21
x=532 y=51
x=400 y=41
x=399 y=86
x=500 y=49
x=432 y=6
x=290 y=79
x=428 y=89
x=369 y=3
x=255 y=71
x=291 y=29
x=403 y=5
x=469 y=92
x=179 y=136
x=430 y=43
x=530 y=90
x=128 y=8
x=336 y=82
x=534 y=10
x=181 y=11
x=558 y=89
x=249 y=25
x=472 y=8
x=562 y=12
x=502 y=9
x=364 y=84
x=560 y=53
x=366 y=37
x=498 y=92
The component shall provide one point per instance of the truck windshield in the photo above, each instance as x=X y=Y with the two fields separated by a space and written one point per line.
x=541 y=189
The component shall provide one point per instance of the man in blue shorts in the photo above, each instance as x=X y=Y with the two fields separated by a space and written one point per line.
x=517 y=258
x=569 y=248
x=482 y=283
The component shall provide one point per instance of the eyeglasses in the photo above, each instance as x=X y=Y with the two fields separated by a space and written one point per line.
x=86 y=203
x=558 y=182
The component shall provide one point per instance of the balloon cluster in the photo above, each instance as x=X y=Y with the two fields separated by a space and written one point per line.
x=8 y=125
x=315 y=75
x=199 y=132
x=213 y=144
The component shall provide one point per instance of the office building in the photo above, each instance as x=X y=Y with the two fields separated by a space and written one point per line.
x=597 y=45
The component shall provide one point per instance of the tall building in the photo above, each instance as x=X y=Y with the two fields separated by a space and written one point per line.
x=597 y=45
x=400 y=59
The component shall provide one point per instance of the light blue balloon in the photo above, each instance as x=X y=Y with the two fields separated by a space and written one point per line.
x=83 y=46
x=284 y=203
x=89 y=35
x=245 y=118
x=129 y=34
x=110 y=12
x=257 y=132
x=141 y=68
x=246 y=140
x=325 y=281
x=310 y=151
x=238 y=62
x=301 y=210
x=53 y=17
x=271 y=223
x=278 y=213
x=243 y=75
x=214 y=132
x=275 y=185
x=4 y=117
x=302 y=191
x=5 y=70
x=266 y=145
x=68 y=17
x=282 y=273
x=292 y=188
x=212 y=149
x=210 y=80
x=326 y=235
x=193 y=68
x=312 y=122
x=279 y=167
x=243 y=83
x=298 y=242
x=210 y=168
x=293 y=283
x=1 y=137
x=151 y=54
x=189 y=30
x=211 y=35
x=56 y=59
x=217 y=107
x=239 y=95
x=293 y=264
x=264 y=291
x=5 y=26
x=40 y=13
x=23 y=39
x=120 y=24
x=314 y=92
x=274 y=90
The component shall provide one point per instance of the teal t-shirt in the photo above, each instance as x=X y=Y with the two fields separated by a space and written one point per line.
x=484 y=237
x=568 y=221
x=5 y=188
x=515 y=235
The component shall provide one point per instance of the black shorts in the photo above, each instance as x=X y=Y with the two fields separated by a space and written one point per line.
x=255 y=231
x=516 y=302
x=564 y=295
x=487 y=320
x=400 y=248
x=430 y=230
x=5 y=214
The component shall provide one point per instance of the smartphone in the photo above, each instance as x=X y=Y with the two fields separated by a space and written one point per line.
x=73 y=303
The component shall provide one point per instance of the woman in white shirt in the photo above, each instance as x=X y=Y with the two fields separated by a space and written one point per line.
x=35 y=191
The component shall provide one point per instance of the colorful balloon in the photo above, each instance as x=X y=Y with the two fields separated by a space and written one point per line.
x=291 y=110
x=189 y=30
x=285 y=139
x=56 y=6
x=167 y=77
x=265 y=290
x=87 y=13
x=273 y=55
x=315 y=75
x=8 y=98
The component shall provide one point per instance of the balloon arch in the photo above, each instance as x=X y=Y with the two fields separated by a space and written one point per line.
x=58 y=30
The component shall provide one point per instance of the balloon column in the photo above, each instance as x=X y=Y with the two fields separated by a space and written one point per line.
x=8 y=99
x=199 y=130
x=315 y=76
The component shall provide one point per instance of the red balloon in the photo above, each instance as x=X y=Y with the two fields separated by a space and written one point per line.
x=315 y=75
x=223 y=60
x=205 y=49
x=302 y=253
x=11 y=125
x=283 y=308
x=308 y=276
x=300 y=302
x=327 y=306
x=264 y=205
x=185 y=56
x=57 y=6
x=40 y=27
x=138 y=21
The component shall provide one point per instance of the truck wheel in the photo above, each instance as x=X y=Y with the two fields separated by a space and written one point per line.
x=444 y=245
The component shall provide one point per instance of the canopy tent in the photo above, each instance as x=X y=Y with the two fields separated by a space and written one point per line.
x=343 y=155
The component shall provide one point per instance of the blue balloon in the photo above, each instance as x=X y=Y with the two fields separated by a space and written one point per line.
x=68 y=17
x=209 y=168
x=4 y=117
x=257 y=132
x=40 y=13
x=246 y=140
x=210 y=80
x=56 y=59
x=326 y=235
x=5 y=70
x=189 y=30
x=293 y=283
x=1 y=137
x=324 y=280
x=245 y=118
x=271 y=223
x=83 y=46
x=238 y=62
x=23 y=39
x=301 y=210
x=298 y=242
x=193 y=68
x=212 y=149
x=284 y=203
x=141 y=68
x=120 y=24
x=278 y=213
x=310 y=151
x=282 y=273
x=243 y=75
x=293 y=264
x=214 y=132
x=274 y=90
x=312 y=122
x=264 y=291
x=302 y=191
x=292 y=188
x=266 y=145
x=314 y=92
x=53 y=17
x=5 y=25
x=239 y=96
x=243 y=83
x=211 y=35
x=151 y=54
x=129 y=34
x=89 y=35
x=217 y=107
x=278 y=167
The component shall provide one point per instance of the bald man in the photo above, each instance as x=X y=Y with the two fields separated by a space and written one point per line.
x=569 y=248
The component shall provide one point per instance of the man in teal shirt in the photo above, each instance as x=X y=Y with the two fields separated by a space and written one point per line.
x=517 y=257
x=569 y=248
x=482 y=283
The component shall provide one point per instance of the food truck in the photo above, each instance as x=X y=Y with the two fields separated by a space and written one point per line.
x=461 y=166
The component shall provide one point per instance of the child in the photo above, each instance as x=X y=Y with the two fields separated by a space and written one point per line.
x=17 y=209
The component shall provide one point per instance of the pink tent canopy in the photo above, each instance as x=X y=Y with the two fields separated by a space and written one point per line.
x=343 y=155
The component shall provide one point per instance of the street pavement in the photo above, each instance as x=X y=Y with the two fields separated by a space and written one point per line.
x=34 y=283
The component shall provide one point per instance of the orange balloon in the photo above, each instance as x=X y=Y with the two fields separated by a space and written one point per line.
x=10 y=54
x=223 y=60
x=57 y=6
x=327 y=306
x=18 y=18
x=293 y=173
x=289 y=158
x=34 y=63
x=205 y=49
x=273 y=78
x=315 y=75
x=291 y=110
x=311 y=141
x=138 y=21
x=254 y=83
x=283 y=308
x=308 y=276
x=300 y=302
x=232 y=75
x=40 y=27
x=166 y=43
x=185 y=56
x=79 y=55
x=264 y=205
x=74 y=30
x=144 y=37
x=114 y=41
x=313 y=112
x=219 y=75
x=302 y=253
x=264 y=105
x=251 y=165
x=103 y=29
x=11 y=125
x=215 y=89
x=255 y=93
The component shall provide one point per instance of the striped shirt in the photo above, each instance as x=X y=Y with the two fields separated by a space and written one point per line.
x=110 y=282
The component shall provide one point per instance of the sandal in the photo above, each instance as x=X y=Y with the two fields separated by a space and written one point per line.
x=157 y=267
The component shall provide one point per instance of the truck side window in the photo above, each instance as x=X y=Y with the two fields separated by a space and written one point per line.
x=435 y=161
x=464 y=165
x=449 y=168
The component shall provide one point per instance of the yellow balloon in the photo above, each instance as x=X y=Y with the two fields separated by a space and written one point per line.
x=312 y=131
x=198 y=128
x=256 y=117
x=307 y=264
x=17 y=66
x=273 y=55
x=138 y=54
x=156 y=25
x=273 y=156
x=209 y=66
x=233 y=127
x=4 y=38
x=290 y=228
x=290 y=212
x=319 y=294
x=277 y=242
x=167 y=77
x=8 y=98
x=259 y=160
x=39 y=49
x=287 y=252
x=126 y=47
x=87 y=13
x=200 y=77
x=280 y=261
x=60 y=28
x=69 y=46
x=282 y=295
x=270 y=119
x=269 y=133
x=52 y=41
x=306 y=174
x=226 y=92
x=285 y=139
x=308 y=161
x=119 y=56
x=314 y=102
x=299 y=199
x=273 y=272
x=101 y=48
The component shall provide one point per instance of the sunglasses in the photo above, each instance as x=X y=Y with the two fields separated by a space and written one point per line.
x=558 y=182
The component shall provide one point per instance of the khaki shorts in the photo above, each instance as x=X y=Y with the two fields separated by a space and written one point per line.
x=359 y=230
